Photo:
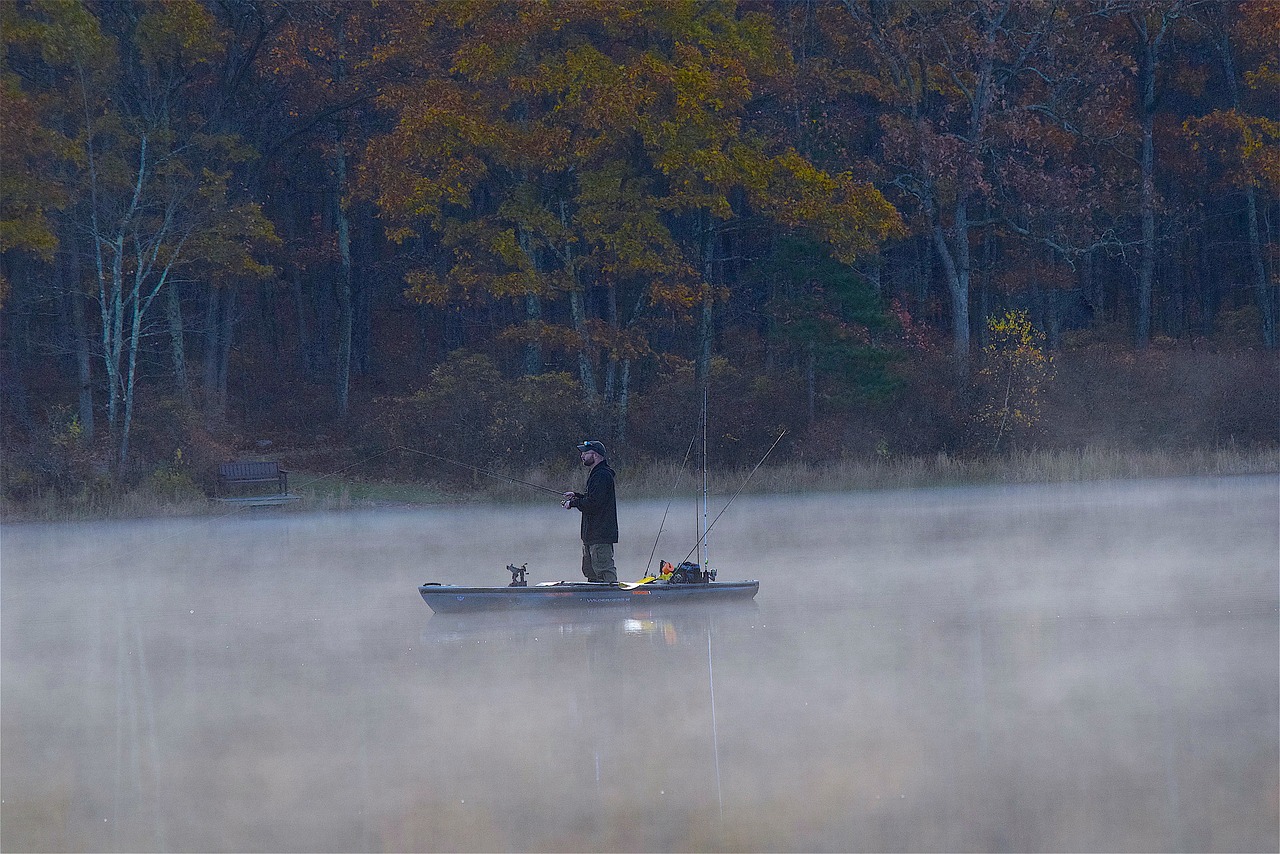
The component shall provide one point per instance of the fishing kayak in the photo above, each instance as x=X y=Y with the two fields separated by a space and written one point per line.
x=452 y=598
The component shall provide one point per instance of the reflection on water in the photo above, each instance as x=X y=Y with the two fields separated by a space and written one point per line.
x=1064 y=668
x=669 y=623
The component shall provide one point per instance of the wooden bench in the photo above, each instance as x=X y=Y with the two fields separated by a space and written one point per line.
x=241 y=473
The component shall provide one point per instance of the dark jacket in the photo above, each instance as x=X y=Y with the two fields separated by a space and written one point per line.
x=599 y=507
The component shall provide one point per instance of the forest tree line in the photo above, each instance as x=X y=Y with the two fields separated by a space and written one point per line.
x=502 y=226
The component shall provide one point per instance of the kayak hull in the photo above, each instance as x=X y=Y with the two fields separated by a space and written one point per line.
x=453 y=599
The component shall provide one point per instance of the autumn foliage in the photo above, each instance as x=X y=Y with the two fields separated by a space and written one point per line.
x=877 y=226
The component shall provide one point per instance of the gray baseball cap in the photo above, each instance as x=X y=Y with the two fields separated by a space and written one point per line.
x=583 y=447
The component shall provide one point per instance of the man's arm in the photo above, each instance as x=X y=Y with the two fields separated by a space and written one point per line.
x=599 y=492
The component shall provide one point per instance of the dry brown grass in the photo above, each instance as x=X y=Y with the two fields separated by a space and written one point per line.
x=664 y=480
x=1088 y=464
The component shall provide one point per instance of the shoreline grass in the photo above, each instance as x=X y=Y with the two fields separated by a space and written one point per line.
x=319 y=492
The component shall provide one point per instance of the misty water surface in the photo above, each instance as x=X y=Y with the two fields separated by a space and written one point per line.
x=1084 y=667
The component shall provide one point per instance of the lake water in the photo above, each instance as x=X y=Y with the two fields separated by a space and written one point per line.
x=1037 y=668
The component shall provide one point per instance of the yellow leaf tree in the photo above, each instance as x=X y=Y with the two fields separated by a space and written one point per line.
x=1013 y=376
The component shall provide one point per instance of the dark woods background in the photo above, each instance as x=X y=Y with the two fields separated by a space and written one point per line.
x=321 y=230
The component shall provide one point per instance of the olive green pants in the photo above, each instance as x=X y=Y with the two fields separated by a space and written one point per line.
x=597 y=563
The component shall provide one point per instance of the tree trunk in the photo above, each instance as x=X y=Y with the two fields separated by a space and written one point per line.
x=924 y=260
x=1148 y=56
x=811 y=384
x=956 y=261
x=1097 y=298
x=177 y=346
x=611 y=365
x=577 y=313
x=321 y=290
x=267 y=315
x=1207 y=273
x=84 y=357
x=362 y=296
x=140 y=297
x=957 y=257
x=984 y=286
x=15 y=370
x=342 y=376
x=111 y=298
x=306 y=339
x=226 y=334
x=293 y=275
x=1266 y=304
x=532 y=309
x=586 y=371
x=624 y=399
x=1175 y=304
x=1146 y=267
x=212 y=327
x=131 y=372
x=532 y=350
x=84 y=364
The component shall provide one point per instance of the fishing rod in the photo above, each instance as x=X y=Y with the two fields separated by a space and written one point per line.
x=735 y=495
x=556 y=492
x=675 y=481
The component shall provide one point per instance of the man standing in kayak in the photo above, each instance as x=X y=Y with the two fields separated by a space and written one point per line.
x=599 y=508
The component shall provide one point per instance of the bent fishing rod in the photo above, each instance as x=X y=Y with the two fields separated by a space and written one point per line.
x=557 y=493
x=735 y=495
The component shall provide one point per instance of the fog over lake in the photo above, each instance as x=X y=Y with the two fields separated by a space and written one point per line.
x=1034 y=668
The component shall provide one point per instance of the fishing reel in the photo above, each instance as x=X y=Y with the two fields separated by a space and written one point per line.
x=518 y=574
x=691 y=573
